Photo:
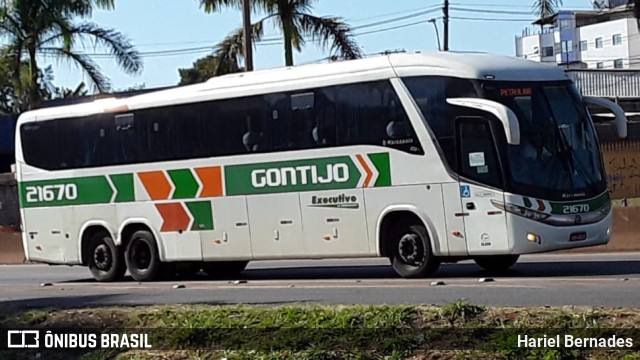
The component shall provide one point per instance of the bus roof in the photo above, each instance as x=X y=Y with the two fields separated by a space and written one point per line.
x=471 y=65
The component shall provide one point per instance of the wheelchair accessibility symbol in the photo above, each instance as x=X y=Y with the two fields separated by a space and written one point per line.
x=465 y=191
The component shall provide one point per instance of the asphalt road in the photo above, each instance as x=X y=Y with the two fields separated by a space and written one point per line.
x=609 y=280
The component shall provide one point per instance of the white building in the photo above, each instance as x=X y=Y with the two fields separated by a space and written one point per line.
x=602 y=39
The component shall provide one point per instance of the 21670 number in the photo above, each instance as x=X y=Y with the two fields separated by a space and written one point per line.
x=51 y=192
x=575 y=209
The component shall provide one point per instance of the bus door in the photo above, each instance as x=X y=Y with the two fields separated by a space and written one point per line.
x=480 y=182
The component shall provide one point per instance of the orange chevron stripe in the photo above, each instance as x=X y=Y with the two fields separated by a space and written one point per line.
x=211 y=179
x=367 y=169
x=156 y=183
x=174 y=216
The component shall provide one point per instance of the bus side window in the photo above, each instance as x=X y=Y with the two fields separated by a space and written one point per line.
x=279 y=118
x=252 y=139
x=236 y=126
x=478 y=157
x=302 y=121
x=371 y=114
x=126 y=144
x=99 y=141
x=355 y=114
x=324 y=132
x=38 y=144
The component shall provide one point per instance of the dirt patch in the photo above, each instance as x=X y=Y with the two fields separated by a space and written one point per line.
x=11 y=251
x=625 y=236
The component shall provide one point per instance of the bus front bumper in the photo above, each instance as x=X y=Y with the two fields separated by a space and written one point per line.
x=531 y=236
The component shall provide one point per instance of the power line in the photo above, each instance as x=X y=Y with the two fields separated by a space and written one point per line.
x=172 y=52
x=492 y=5
x=390 y=28
x=391 y=14
x=489 y=19
x=506 y=12
x=275 y=40
x=509 y=6
x=384 y=22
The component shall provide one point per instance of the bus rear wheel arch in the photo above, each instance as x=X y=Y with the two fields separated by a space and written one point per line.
x=105 y=260
x=406 y=242
x=142 y=257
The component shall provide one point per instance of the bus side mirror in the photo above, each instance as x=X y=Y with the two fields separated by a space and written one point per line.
x=620 y=118
x=507 y=117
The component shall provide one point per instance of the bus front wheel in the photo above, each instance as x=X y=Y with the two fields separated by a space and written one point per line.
x=141 y=256
x=411 y=255
x=496 y=263
x=105 y=261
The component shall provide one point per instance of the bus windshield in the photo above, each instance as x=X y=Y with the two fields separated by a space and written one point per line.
x=558 y=150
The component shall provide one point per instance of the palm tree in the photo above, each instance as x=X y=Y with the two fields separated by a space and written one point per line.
x=546 y=8
x=48 y=27
x=66 y=93
x=15 y=99
x=296 y=23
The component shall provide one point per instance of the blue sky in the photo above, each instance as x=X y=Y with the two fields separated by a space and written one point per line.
x=159 y=25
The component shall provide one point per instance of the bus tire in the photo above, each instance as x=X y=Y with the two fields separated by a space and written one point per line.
x=496 y=263
x=104 y=259
x=224 y=269
x=141 y=257
x=411 y=255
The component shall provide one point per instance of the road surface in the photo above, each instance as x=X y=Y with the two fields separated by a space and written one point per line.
x=609 y=280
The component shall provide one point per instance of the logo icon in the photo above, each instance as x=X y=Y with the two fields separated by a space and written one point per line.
x=465 y=191
x=21 y=339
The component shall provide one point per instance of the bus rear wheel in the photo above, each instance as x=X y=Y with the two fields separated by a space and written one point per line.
x=105 y=261
x=496 y=263
x=141 y=256
x=411 y=255
x=224 y=269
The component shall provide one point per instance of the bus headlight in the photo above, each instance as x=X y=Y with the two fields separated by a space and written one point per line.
x=521 y=211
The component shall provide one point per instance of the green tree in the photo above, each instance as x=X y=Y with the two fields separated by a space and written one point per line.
x=297 y=24
x=206 y=68
x=49 y=27
x=66 y=93
x=546 y=8
x=15 y=99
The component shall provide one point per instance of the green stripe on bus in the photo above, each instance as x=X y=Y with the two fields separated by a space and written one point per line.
x=62 y=192
x=581 y=206
x=185 y=183
x=202 y=215
x=290 y=176
x=124 y=187
x=382 y=164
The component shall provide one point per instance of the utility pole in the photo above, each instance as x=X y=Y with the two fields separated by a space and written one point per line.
x=433 y=21
x=246 y=34
x=445 y=19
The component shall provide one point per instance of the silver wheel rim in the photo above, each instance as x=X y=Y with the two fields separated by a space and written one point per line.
x=409 y=249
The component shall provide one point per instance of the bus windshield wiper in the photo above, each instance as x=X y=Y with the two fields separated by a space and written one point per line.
x=568 y=151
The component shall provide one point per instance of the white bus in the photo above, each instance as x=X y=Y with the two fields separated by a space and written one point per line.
x=420 y=158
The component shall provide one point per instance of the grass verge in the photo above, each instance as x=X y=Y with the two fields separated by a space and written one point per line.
x=459 y=330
